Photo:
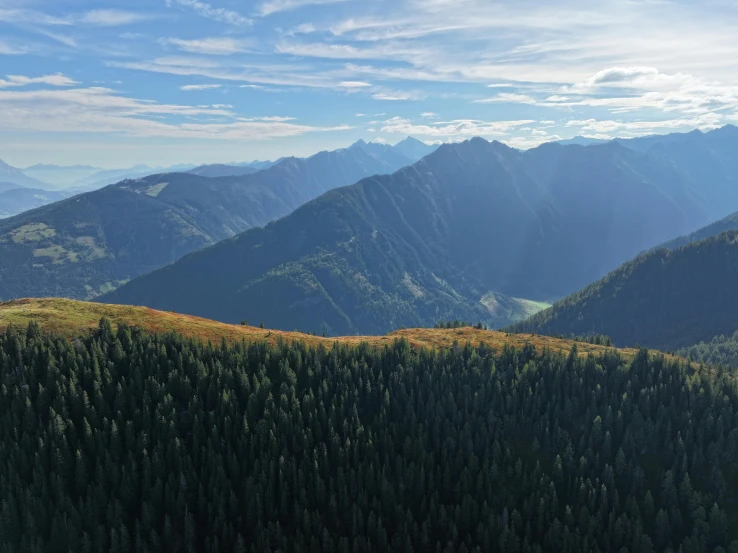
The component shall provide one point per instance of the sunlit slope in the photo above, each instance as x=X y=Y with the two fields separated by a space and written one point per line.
x=72 y=318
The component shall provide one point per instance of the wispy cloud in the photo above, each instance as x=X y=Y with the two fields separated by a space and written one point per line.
x=20 y=80
x=21 y=16
x=633 y=89
x=218 y=46
x=394 y=96
x=610 y=128
x=508 y=97
x=452 y=129
x=354 y=84
x=255 y=74
x=95 y=110
x=101 y=17
x=7 y=49
x=110 y=18
x=199 y=87
x=273 y=6
x=217 y=14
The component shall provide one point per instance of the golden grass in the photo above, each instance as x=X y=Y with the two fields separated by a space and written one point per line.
x=72 y=318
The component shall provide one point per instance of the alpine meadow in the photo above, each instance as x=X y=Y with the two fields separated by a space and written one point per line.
x=328 y=276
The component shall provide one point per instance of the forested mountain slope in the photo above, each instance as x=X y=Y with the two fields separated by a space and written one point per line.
x=728 y=223
x=222 y=170
x=720 y=351
x=459 y=235
x=662 y=299
x=91 y=243
x=18 y=200
x=127 y=441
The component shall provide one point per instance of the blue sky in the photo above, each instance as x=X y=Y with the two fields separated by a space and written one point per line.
x=115 y=83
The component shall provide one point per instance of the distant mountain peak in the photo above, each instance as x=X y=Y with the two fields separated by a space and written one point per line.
x=411 y=140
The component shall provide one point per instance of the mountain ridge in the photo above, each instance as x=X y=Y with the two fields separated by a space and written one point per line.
x=91 y=243
x=410 y=248
x=665 y=299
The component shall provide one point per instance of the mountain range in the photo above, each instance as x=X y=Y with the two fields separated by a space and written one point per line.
x=92 y=242
x=474 y=231
x=673 y=296
x=11 y=175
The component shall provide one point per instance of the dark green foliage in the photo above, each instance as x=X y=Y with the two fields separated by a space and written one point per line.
x=662 y=299
x=720 y=351
x=104 y=238
x=432 y=240
x=128 y=442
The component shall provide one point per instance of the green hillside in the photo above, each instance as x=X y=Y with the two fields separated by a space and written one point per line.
x=721 y=351
x=458 y=235
x=662 y=299
x=92 y=243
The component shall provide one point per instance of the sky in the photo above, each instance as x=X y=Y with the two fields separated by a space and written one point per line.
x=115 y=83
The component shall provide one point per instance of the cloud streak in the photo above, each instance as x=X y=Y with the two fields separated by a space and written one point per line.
x=459 y=128
x=20 y=80
x=208 y=11
x=217 y=46
x=199 y=87
x=274 y=6
x=96 y=109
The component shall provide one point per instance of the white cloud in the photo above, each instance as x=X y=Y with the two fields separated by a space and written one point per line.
x=20 y=16
x=66 y=40
x=508 y=97
x=266 y=74
x=428 y=115
x=631 y=77
x=219 y=46
x=101 y=17
x=640 y=128
x=449 y=129
x=275 y=118
x=272 y=6
x=110 y=18
x=199 y=87
x=353 y=84
x=633 y=90
x=217 y=14
x=11 y=50
x=101 y=110
x=394 y=96
x=321 y=50
x=302 y=29
x=54 y=80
